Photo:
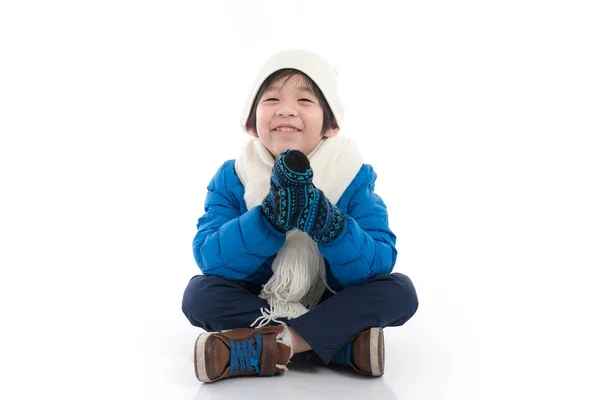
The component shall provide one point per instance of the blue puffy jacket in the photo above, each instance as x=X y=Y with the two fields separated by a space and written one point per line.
x=240 y=244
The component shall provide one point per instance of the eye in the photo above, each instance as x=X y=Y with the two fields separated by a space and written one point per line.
x=305 y=100
x=272 y=98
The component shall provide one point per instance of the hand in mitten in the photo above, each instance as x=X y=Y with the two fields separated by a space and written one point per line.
x=290 y=179
x=308 y=209
x=319 y=218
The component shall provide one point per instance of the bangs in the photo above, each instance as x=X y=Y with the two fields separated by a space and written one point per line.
x=285 y=75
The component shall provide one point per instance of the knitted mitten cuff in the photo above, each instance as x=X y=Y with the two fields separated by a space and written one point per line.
x=319 y=218
x=333 y=229
x=274 y=218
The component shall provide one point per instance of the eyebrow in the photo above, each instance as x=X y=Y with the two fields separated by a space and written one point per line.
x=300 y=88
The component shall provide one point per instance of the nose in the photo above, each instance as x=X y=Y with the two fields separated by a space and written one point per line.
x=286 y=109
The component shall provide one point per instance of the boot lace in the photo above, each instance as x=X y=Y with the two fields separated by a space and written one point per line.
x=244 y=355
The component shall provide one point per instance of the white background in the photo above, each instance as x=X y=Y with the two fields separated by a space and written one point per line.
x=480 y=118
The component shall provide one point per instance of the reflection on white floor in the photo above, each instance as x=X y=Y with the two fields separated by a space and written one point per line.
x=425 y=359
x=303 y=380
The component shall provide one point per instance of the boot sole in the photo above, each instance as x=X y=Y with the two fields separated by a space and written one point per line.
x=377 y=351
x=199 y=360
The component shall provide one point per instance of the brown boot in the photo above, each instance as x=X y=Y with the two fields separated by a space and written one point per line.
x=241 y=352
x=365 y=353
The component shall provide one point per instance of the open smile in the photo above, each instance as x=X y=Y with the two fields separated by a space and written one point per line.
x=286 y=130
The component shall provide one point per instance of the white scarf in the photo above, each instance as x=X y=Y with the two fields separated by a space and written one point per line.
x=299 y=276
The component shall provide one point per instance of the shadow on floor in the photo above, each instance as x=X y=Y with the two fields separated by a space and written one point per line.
x=304 y=379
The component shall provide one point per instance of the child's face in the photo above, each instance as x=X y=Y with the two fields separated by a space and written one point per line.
x=290 y=104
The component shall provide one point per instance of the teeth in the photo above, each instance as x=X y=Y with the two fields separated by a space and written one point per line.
x=286 y=129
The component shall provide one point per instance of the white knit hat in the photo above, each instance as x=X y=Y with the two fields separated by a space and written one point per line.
x=316 y=67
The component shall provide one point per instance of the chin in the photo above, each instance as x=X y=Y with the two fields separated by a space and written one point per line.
x=281 y=149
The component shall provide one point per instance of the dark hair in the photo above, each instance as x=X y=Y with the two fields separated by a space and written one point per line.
x=328 y=118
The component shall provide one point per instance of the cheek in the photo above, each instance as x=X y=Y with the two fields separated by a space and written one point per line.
x=262 y=119
x=263 y=111
x=259 y=115
x=315 y=116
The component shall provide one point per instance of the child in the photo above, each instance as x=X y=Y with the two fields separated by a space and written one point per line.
x=294 y=214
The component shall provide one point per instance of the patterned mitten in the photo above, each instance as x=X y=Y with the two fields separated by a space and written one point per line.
x=319 y=218
x=290 y=179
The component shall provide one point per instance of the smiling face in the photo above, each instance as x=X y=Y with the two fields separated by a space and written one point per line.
x=289 y=116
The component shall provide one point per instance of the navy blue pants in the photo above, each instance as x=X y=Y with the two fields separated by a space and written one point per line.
x=214 y=304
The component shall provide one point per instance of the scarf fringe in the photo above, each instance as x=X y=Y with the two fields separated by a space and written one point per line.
x=298 y=271
x=298 y=284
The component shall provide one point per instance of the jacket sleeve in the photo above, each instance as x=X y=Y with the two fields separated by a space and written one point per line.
x=228 y=243
x=366 y=247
